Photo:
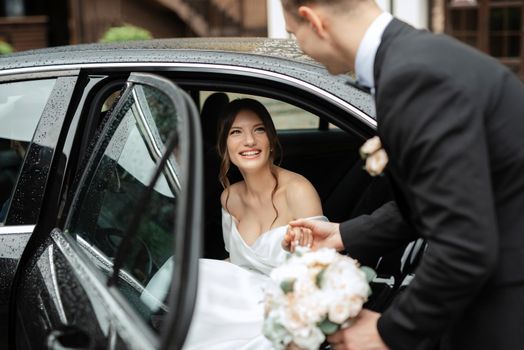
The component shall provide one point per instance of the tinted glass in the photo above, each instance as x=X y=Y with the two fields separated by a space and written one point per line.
x=133 y=144
x=21 y=105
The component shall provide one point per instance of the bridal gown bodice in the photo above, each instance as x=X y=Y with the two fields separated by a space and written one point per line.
x=229 y=310
x=262 y=256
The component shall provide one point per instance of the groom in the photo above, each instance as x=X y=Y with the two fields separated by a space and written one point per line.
x=451 y=120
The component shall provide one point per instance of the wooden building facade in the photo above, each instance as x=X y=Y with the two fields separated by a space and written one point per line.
x=24 y=33
x=495 y=27
x=168 y=18
x=27 y=24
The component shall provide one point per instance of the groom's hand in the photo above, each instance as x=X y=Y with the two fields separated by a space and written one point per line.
x=324 y=234
x=361 y=335
x=292 y=346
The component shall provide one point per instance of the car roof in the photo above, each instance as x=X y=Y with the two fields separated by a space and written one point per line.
x=281 y=48
x=276 y=55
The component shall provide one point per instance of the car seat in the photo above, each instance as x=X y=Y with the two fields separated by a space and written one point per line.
x=211 y=112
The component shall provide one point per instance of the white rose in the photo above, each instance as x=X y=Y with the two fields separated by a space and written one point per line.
x=347 y=289
x=376 y=162
x=323 y=256
x=310 y=341
x=305 y=286
x=370 y=146
x=310 y=307
x=291 y=270
x=274 y=298
x=344 y=308
x=339 y=311
x=344 y=276
x=294 y=323
x=274 y=330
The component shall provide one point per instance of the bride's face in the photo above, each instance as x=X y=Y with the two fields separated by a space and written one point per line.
x=247 y=142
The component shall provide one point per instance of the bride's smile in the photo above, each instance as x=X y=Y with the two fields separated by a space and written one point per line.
x=250 y=154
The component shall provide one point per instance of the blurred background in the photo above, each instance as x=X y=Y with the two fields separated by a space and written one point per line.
x=493 y=26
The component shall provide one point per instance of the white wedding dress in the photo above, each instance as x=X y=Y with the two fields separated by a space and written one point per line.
x=229 y=310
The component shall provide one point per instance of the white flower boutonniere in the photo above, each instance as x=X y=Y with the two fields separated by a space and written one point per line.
x=375 y=156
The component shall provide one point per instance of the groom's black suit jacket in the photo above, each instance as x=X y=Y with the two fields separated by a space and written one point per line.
x=452 y=122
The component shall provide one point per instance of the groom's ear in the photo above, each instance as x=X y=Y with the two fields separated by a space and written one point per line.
x=314 y=18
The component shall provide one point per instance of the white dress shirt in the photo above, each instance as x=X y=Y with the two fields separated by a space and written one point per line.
x=367 y=50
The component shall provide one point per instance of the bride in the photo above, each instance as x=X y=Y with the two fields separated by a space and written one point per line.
x=229 y=310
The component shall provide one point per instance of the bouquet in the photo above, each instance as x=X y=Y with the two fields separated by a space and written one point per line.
x=315 y=293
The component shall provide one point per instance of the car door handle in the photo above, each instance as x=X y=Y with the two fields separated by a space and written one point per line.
x=68 y=338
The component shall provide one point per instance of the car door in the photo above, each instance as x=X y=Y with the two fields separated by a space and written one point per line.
x=124 y=267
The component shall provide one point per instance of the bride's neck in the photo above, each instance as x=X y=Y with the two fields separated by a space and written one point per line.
x=259 y=183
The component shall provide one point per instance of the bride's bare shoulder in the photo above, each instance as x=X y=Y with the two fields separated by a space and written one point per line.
x=290 y=180
x=301 y=196
x=231 y=195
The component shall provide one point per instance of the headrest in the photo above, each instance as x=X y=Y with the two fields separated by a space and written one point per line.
x=212 y=110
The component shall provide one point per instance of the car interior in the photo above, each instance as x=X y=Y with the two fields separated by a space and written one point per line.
x=329 y=158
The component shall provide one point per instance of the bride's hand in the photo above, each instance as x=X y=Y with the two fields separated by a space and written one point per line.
x=297 y=236
x=324 y=234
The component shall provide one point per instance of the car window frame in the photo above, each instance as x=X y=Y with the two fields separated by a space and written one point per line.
x=51 y=119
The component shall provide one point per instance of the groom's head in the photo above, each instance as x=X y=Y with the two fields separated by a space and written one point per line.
x=292 y=6
x=330 y=31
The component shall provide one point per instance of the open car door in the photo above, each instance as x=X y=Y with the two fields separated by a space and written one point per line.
x=124 y=267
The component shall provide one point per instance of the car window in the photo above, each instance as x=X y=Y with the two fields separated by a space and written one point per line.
x=285 y=116
x=121 y=169
x=21 y=105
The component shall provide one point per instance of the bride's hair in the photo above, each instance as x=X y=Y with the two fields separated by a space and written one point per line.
x=224 y=125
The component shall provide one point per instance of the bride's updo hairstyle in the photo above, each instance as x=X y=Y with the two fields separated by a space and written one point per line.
x=224 y=125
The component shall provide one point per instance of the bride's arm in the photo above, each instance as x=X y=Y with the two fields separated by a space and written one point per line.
x=303 y=202
x=227 y=217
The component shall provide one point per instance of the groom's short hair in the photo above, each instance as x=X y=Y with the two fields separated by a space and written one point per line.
x=292 y=6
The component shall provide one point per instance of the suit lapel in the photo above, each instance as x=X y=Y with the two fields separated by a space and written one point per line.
x=395 y=29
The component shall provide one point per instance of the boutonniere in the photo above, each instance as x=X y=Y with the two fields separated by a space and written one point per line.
x=375 y=156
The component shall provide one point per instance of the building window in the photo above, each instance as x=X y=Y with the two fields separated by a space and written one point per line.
x=492 y=26
x=12 y=8
x=505 y=26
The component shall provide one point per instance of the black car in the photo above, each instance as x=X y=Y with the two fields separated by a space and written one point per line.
x=108 y=174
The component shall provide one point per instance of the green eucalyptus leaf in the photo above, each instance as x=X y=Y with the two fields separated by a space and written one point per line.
x=327 y=327
x=287 y=286
x=320 y=277
x=370 y=273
